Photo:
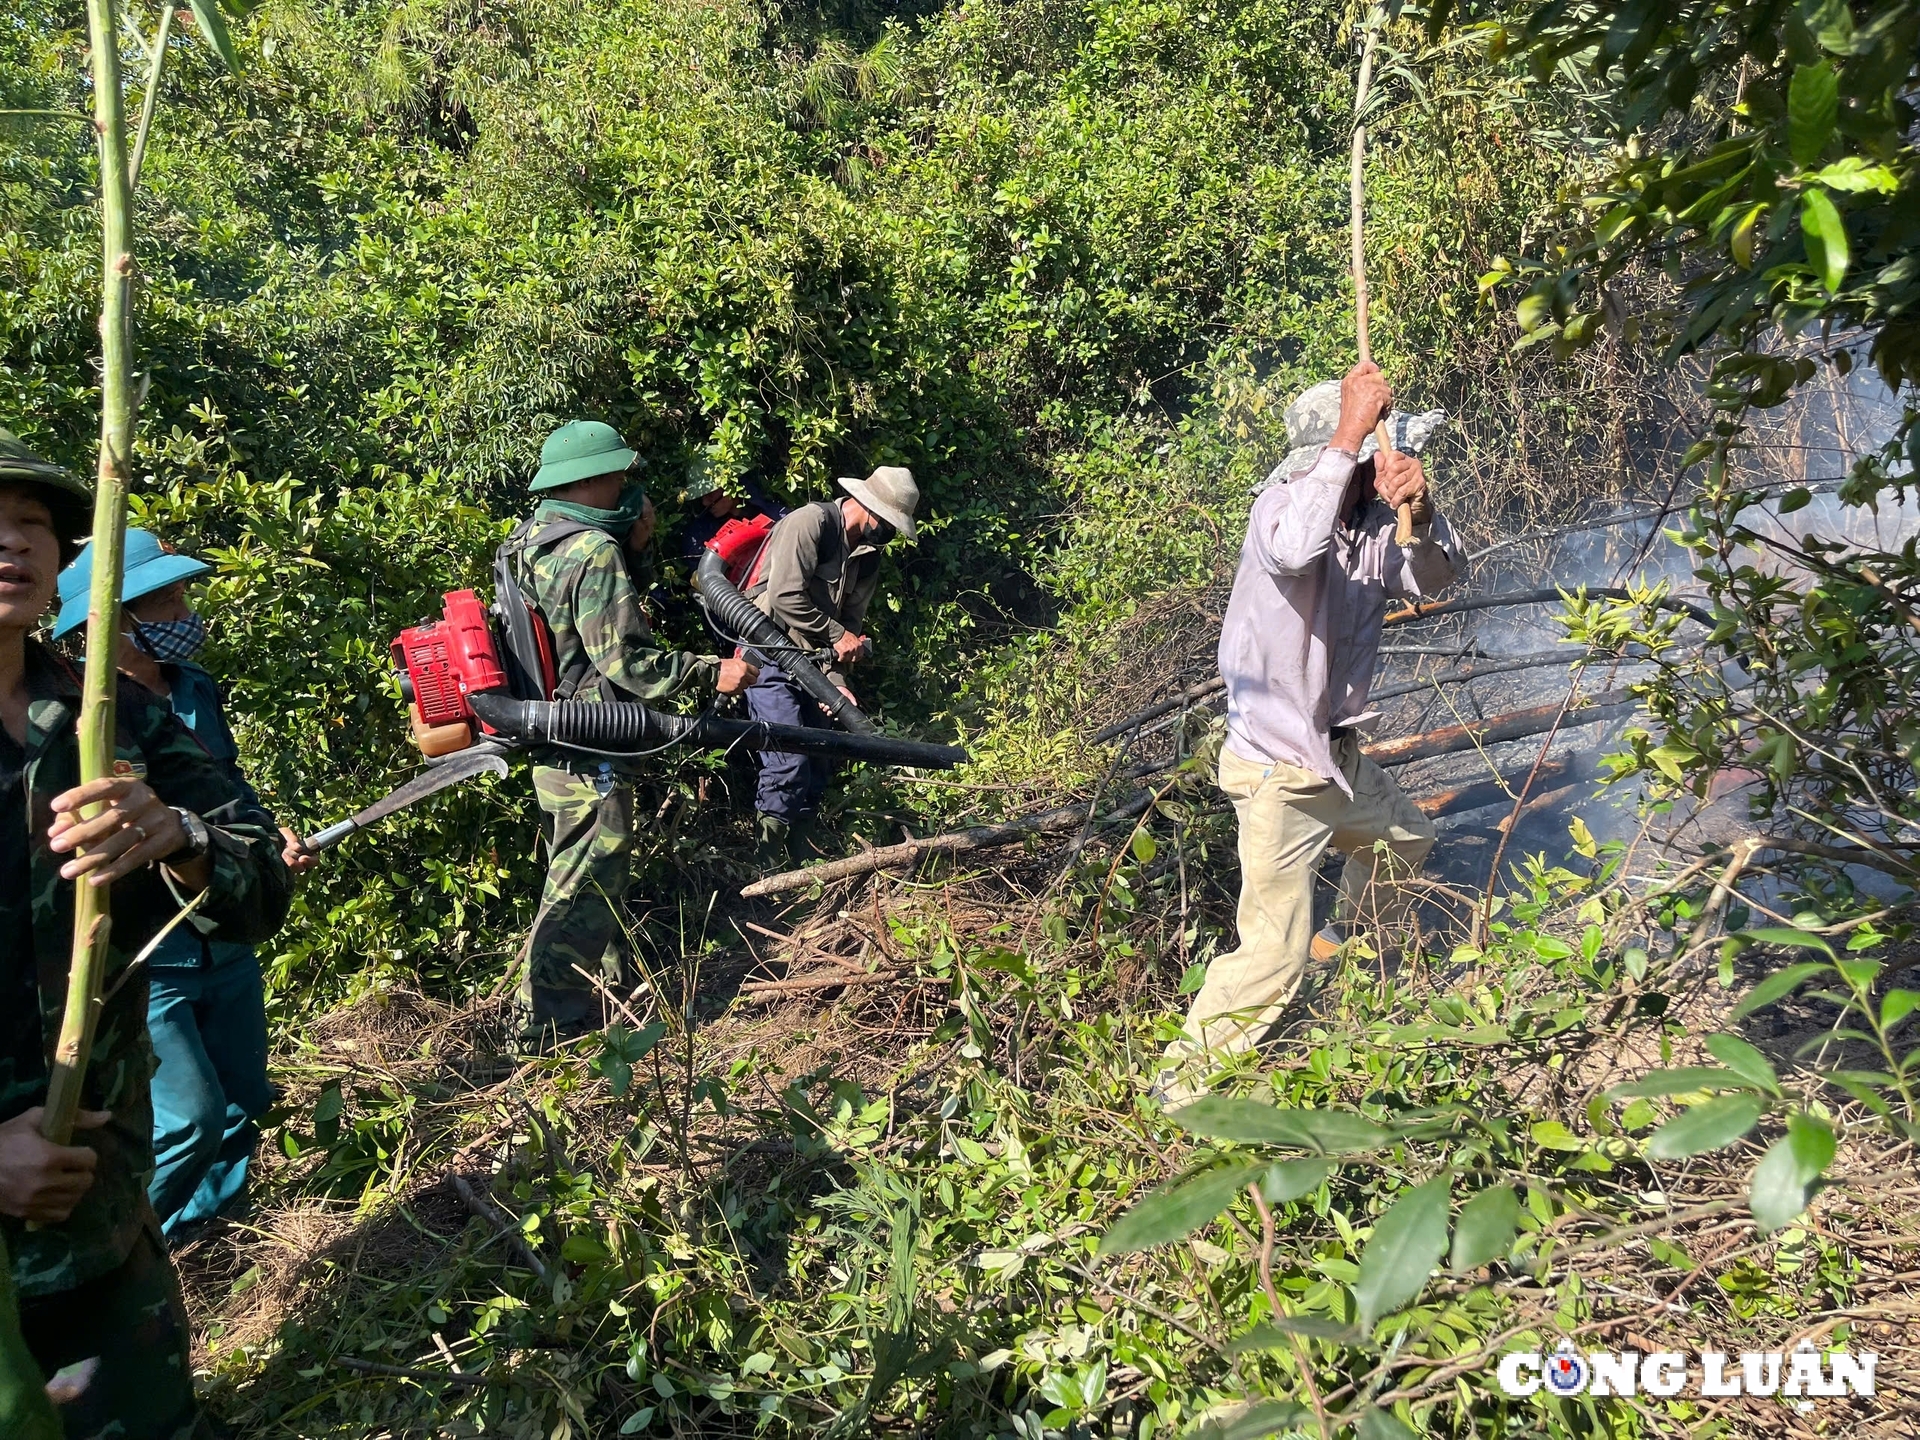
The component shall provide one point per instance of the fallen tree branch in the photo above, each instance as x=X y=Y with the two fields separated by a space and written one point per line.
x=407 y=1372
x=978 y=837
x=1165 y=707
x=804 y=983
x=1545 y=595
x=484 y=1207
x=1479 y=794
x=1516 y=726
x=1419 y=610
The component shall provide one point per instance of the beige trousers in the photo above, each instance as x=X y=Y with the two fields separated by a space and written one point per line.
x=1288 y=817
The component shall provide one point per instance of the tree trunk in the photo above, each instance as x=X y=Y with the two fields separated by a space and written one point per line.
x=91 y=921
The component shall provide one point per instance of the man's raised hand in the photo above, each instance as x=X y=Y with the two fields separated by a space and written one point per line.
x=1399 y=479
x=1365 y=398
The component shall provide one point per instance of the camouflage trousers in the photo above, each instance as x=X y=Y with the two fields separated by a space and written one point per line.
x=124 y=1343
x=582 y=924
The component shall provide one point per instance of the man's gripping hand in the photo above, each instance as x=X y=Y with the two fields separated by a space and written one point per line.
x=1399 y=479
x=850 y=648
x=1365 y=398
x=39 y=1180
x=735 y=676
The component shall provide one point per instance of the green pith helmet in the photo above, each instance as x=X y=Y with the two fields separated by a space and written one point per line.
x=66 y=494
x=701 y=481
x=581 y=450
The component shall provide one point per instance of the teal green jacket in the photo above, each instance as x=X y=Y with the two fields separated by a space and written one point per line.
x=247 y=901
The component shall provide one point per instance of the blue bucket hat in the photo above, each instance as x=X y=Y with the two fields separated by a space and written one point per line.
x=150 y=566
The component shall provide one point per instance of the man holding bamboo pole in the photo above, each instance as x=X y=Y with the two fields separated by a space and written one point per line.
x=1321 y=559
x=170 y=831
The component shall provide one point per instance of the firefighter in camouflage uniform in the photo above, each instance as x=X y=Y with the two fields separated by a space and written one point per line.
x=97 y=1296
x=573 y=564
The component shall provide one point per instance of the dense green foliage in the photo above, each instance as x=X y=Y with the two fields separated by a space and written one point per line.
x=1766 y=156
x=1006 y=248
x=1064 y=260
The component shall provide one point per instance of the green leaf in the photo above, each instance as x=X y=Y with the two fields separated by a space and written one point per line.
x=1403 y=1251
x=1378 y=1423
x=1145 y=847
x=1681 y=1081
x=1831 y=22
x=1669 y=759
x=1740 y=242
x=1813 y=1143
x=1290 y=1179
x=1783 y=1178
x=1176 y=1211
x=1486 y=1227
x=1777 y=986
x=1330 y=1132
x=1853 y=175
x=1552 y=1135
x=1709 y=1126
x=1787 y=935
x=1256 y=1422
x=1813 y=105
x=1533 y=312
x=1278 y=1334
x=1797 y=498
x=1825 y=237
x=583 y=1249
x=1745 y=1061
x=1897 y=1006
x=213 y=25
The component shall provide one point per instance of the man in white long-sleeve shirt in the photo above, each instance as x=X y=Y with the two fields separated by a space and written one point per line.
x=1297 y=652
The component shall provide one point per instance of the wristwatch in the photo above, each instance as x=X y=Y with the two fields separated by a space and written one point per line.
x=199 y=842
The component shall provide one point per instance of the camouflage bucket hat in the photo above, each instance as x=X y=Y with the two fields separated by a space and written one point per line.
x=1315 y=415
x=701 y=481
x=67 y=495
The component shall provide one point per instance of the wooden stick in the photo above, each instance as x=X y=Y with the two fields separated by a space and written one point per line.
x=484 y=1207
x=979 y=837
x=1518 y=725
x=804 y=983
x=407 y=1372
x=1357 y=204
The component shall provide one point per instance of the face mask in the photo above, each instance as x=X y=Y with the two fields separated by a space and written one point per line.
x=882 y=533
x=171 y=641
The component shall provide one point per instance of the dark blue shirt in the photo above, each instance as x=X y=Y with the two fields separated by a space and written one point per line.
x=703 y=526
x=196 y=700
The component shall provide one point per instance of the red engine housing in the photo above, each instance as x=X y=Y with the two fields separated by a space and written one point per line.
x=448 y=660
x=739 y=544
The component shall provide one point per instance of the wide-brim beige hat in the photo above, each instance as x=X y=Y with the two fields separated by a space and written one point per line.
x=1315 y=415
x=889 y=493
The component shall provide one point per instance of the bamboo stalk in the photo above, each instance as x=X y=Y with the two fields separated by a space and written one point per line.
x=156 y=63
x=92 y=921
x=1357 y=209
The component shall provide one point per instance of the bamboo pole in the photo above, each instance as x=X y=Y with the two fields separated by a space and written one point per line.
x=156 y=64
x=1357 y=208
x=91 y=919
